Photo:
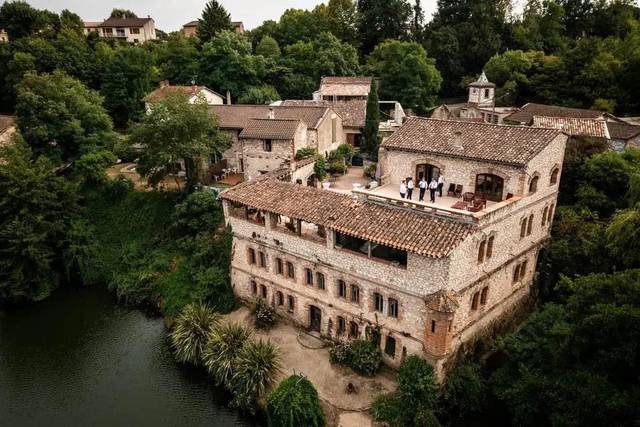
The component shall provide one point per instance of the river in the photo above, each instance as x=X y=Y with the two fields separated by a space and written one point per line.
x=80 y=359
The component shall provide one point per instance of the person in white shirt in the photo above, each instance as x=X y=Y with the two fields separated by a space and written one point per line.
x=440 y=184
x=433 y=186
x=423 y=187
x=403 y=189
x=410 y=188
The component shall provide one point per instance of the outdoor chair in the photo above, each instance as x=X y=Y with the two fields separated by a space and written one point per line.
x=479 y=197
x=451 y=192
x=476 y=206
x=468 y=198
x=459 y=190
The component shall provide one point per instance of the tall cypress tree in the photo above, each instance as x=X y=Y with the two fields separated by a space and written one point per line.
x=214 y=18
x=372 y=122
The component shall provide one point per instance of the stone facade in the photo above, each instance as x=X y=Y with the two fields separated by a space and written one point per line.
x=432 y=305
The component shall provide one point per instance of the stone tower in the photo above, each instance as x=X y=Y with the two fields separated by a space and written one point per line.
x=441 y=307
x=482 y=92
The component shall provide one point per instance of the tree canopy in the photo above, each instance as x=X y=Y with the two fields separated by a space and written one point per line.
x=215 y=18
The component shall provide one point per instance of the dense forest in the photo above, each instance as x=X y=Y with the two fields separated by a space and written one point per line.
x=78 y=104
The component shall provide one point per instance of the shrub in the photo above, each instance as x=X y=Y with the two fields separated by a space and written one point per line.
x=365 y=357
x=346 y=152
x=464 y=395
x=258 y=365
x=119 y=187
x=191 y=332
x=220 y=355
x=340 y=353
x=304 y=153
x=370 y=171
x=295 y=403
x=199 y=212
x=337 y=166
x=320 y=169
x=264 y=315
x=92 y=166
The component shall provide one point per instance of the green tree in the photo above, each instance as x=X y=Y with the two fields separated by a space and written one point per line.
x=298 y=25
x=342 y=20
x=200 y=212
x=92 y=166
x=71 y=21
x=175 y=130
x=36 y=210
x=269 y=48
x=295 y=402
x=406 y=74
x=60 y=117
x=465 y=395
x=215 y=18
x=260 y=95
x=128 y=76
x=122 y=13
x=381 y=20
x=372 y=122
x=19 y=19
x=257 y=367
x=178 y=59
x=191 y=332
x=221 y=354
x=414 y=403
x=622 y=237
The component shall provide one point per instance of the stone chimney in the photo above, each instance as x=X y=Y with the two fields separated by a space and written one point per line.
x=272 y=113
x=228 y=97
x=456 y=141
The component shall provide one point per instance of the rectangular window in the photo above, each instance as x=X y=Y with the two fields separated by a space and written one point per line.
x=266 y=144
x=390 y=347
x=279 y=266
x=290 y=303
x=120 y=32
x=353 y=330
x=523 y=228
x=483 y=295
x=544 y=215
x=523 y=269
x=530 y=226
x=378 y=302
x=308 y=276
x=254 y=288
x=263 y=259
x=263 y=291
x=474 y=301
x=342 y=325
x=108 y=31
x=320 y=280
x=481 y=249
x=516 y=273
x=251 y=256
x=134 y=30
x=355 y=294
x=433 y=326
x=342 y=289
x=393 y=308
x=291 y=271
x=280 y=299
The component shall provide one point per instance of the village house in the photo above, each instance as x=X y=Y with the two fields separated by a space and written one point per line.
x=434 y=276
x=131 y=30
x=190 y=29
x=323 y=128
x=480 y=105
x=343 y=89
x=192 y=92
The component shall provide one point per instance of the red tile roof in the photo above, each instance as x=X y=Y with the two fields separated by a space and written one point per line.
x=526 y=113
x=400 y=228
x=270 y=129
x=622 y=130
x=353 y=113
x=237 y=116
x=125 y=22
x=162 y=92
x=573 y=126
x=346 y=86
x=512 y=145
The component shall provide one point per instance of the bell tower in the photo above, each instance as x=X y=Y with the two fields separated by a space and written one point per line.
x=482 y=93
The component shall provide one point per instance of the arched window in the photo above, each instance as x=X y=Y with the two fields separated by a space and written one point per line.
x=553 y=179
x=355 y=294
x=483 y=295
x=533 y=185
x=516 y=274
x=490 y=247
x=530 y=226
x=263 y=291
x=481 y=250
x=490 y=186
x=280 y=298
x=550 y=215
x=254 y=287
x=544 y=215
x=523 y=227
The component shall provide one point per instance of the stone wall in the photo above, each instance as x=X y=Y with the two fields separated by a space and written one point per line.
x=325 y=138
x=233 y=154
x=258 y=161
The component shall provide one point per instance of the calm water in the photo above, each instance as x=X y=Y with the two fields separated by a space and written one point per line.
x=78 y=359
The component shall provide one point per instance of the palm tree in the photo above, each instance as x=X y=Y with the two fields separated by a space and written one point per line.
x=191 y=332
x=258 y=365
x=220 y=356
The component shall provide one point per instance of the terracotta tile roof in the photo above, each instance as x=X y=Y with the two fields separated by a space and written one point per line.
x=622 y=130
x=162 y=92
x=270 y=129
x=526 y=113
x=442 y=301
x=125 y=22
x=6 y=122
x=573 y=126
x=403 y=229
x=191 y=24
x=353 y=113
x=349 y=86
x=237 y=116
x=513 y=145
